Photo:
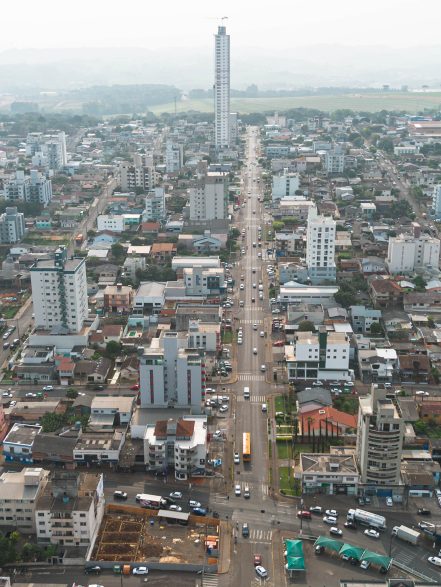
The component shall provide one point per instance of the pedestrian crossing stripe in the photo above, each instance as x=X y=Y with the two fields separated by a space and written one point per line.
x=250 y=321
x=263 y=487
x=210 y=580
x=254 y=308
x=250 y=377
x=261 y=535
x=254 y=399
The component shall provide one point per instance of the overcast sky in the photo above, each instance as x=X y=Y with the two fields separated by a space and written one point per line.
x=190 y=23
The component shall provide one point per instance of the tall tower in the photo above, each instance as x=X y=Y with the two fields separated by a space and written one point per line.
x=222 y=88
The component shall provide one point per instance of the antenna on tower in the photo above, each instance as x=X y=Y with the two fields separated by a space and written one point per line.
x=224 y=18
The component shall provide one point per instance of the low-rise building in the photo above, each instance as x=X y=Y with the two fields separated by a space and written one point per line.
x=378 y=365
x=330 y=474
x=19 y=491
x=70 y=509
x=362 y=318
x=18 y=443
x=149 y=298
x=118 y=298
x=180 y=445
x=205 y=336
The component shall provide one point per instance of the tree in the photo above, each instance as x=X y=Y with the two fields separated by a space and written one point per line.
x=376 y=328
x=345 y=298
x=306 y=326
x=71 y=393
x=52 y=422
x=278 y=225
x=113 y=349
x=118 y=252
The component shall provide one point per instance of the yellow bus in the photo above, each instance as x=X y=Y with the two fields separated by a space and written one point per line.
x=246 y=455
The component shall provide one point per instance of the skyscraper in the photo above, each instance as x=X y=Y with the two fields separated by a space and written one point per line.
x=320 y=248
x=222 y=88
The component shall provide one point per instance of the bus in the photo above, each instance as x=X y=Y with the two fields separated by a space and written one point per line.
x=246 y=454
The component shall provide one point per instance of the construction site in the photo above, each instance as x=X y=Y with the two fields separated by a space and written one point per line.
x=131 y=534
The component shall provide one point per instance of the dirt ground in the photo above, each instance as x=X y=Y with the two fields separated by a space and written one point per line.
x=131 y=538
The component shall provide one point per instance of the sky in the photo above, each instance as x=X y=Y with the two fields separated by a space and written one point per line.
x=252 y=23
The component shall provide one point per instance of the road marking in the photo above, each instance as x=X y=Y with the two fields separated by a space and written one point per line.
x=210 y=580
x=251 y=321
x=261 y=535
x=250 y=377
x=254 y=399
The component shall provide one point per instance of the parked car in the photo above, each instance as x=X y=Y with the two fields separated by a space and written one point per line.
x=175 y=508
x=92 y=570
x=435 y=560
x=336 y=531
x=424 y=512
x=120 y=495
x=365 y=565
x=176 y=494
x=332 y=513
x=316 y=509
x=140 y=571
x=199 y=511
x=237 y=490
x=372 y=533
x=305 y=515
x=261 y=572
x=236 y=458
x=330 y=520
x=350 y=525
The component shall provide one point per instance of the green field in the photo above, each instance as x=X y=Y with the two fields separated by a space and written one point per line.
x=412 y=102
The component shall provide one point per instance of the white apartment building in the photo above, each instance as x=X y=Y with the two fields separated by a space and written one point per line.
x=407 y=253
x=200 y=281
x=334 y=161
x=134 y=176
x=379 y=438
x=222 y=88
x=70 y=509
x=320 y=247
x=296 y=206
x=436 y=201
x=209 y=198
x=154 y=206
x=285 y=184
x=180 y=445
x=318 y=356
x=362 y=318
x=234 y=128
x=19 y=491
x=171 y=375
x=59 y=292
x=47 y=150
x=12 y=226
x=174 y=157
x=204 y=336
x=33 y=188
x=110 y=222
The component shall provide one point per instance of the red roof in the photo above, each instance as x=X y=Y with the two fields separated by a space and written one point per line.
x=335 y=419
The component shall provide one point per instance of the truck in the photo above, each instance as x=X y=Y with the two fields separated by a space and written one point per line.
x=406 y=534
x=366 y=518
x=154 y=502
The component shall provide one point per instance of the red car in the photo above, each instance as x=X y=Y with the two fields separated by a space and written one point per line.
x=135 y=387
x=257 y=560
x=305 y=515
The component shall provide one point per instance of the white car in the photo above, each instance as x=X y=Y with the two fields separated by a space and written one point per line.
x=254 y=286
x=194 y=504
x=335 y=531
x=254 y=326
x=261 y=334
x=330 y=520
x=389 y=502
x=435 y=560
x=276 y=311
x=332 y=513
x=175 y=508
x=176 y=495
x=236 y=458
x=140 y=571
x=365 y=565
x=223 y=409
x=242 y=286
x=240 y=341
x=261 y=571
x=254 y=351
x=371 y=533
x=422 y=393
x=237 y=490
x=48 y=388
x=263 y=368
x=13 y=403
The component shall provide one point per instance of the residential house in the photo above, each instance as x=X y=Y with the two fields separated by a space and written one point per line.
x=415 y=368
x=326 y=421
x=385 y=293
x=378 y=365
x=18 y=443
x=108 y=412
x=163 y=251
x=93 y=371
x=118 y=298
x=55 y=449
x=362 y=318
x=328 y=474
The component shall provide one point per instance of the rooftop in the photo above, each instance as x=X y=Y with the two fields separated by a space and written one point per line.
x=328 y=463
x=22 y=434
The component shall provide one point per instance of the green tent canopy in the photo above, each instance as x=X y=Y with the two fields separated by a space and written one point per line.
x=377 y=559
x=294 y=548
x=352 y=551
x=295 y=563
x=330 y=543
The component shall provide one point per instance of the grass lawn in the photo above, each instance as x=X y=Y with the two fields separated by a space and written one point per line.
x=10 y=311
x=288 y=485
x=227 y=337
x=371 y=102
x=346 y=403
x=284 y=450
x=284 y=404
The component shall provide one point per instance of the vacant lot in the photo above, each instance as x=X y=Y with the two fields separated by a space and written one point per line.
x=409 y=101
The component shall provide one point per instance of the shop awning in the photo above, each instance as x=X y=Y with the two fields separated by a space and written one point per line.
x=329 y=543
x=377 y=559
x=293 y=548
x=352 y=551
x=295 y=563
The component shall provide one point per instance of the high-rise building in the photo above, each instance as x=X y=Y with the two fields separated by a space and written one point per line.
x=209 y=197
x=49 y=150
x=408 y=252
x=154 y=205
x=59 y=292
x=335 y=160
x=174 y=157
x=35 y=188
x=379 y=438
x=436 y=201
x=12 y=226
x=171 y=375
x=222 y=88
x=137 y=176
x=285 y=184
x=320 y=247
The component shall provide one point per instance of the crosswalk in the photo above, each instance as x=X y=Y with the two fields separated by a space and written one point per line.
x=257 y=321
x=261 y=535
x=262 y=487
x=250 y=377
x=253 y=308
x=211 y=580
x=254 y=399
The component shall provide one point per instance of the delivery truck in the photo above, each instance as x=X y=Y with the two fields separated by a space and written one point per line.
x=366 y=518
x=406 y=534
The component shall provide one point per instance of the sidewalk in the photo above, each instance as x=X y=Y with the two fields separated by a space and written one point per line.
x=225 y=548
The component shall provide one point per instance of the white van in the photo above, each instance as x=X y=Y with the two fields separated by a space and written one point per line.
x=246 y=393
x=264 y=408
